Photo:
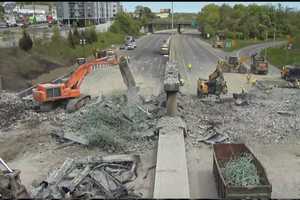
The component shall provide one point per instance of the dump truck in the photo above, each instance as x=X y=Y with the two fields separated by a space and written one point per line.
x=216 y=84
x=233 y=64
x=224 y=153
x=291 y=72
x=259 y=65
x=220 y=40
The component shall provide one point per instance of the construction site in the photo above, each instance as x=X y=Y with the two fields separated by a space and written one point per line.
x=172 y=118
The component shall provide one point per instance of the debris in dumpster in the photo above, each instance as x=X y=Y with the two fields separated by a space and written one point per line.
x=214 y=138
x=241 y=171
x=92 y=177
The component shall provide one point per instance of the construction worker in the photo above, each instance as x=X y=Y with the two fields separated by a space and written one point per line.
x=190 y=67
x=248 y=77
x=253 y=81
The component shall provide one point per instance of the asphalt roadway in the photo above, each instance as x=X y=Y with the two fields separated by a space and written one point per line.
x=146 y=64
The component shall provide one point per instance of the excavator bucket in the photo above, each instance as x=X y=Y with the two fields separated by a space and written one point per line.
x=10 y=184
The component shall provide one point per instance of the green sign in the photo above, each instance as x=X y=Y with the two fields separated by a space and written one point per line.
x=228 y=44
x=194 y=23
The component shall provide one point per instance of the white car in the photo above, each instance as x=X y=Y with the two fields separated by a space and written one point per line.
x=3 y=25
x=129 y=46
x=133 y=44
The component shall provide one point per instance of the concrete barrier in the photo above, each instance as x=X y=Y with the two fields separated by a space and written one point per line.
x=171 y=175
x=0 y=83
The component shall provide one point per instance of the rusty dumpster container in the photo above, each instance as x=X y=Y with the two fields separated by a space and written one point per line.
x=222 y=153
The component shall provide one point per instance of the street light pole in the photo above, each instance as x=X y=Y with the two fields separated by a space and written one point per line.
x=172 y=16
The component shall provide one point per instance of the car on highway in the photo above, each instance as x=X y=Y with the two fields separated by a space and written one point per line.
x=133 y=44
x=164 y=49
x=128 y=46
x=3 y=24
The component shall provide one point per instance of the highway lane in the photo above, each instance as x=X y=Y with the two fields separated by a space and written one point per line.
x=189 y=51
x=146 y=62
x=147 y=66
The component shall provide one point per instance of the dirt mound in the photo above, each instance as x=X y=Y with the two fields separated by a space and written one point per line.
x=18 y=68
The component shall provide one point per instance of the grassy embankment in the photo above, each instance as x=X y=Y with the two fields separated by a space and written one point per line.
x=240 y=44
x=18 y=67
x=280 y=56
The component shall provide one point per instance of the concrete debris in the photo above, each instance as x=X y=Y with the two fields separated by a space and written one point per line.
x=240 y=98
x=270 y=117
x=92 y=177
x=14 y=109
x=11 y=109
x=112 y=123
x=214 y=138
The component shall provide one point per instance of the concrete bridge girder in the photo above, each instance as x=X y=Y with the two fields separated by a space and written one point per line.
x=168 y=25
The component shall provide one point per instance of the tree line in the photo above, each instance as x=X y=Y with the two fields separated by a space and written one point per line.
x=248 y=22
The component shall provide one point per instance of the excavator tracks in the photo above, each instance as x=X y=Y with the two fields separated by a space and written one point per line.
x=77 y=103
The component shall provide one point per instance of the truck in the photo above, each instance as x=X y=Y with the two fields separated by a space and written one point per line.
x=219 y=42
x=291 y=72
x=259 y=65
x=233 y=64
x=222 y=154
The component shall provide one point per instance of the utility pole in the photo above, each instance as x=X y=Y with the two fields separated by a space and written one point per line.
x=33 y=5
x=172 y=15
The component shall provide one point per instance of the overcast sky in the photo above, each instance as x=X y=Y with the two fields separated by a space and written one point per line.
x=194 y=6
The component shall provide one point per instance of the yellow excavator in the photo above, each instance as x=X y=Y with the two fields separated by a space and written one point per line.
x=215 y=85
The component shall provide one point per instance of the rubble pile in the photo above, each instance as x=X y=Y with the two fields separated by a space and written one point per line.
x=91 y=177
x=241 y=171
x=112 y=123
x=272 y=115
x=11 y=109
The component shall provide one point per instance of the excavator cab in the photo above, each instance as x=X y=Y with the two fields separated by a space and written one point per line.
x=216 y=84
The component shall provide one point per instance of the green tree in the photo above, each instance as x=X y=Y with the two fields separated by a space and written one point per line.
x=25 y=43
x=91 y=34
x=125 y=24
x=56 y=37
x=1 y=12
x=209 y=17
x=76 y=35
x=71 y=39
x=143 y=14
x=252 y=21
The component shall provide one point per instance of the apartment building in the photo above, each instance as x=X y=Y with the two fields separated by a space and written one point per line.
x=86 y=12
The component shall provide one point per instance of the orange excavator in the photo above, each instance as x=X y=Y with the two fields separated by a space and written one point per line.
x=68 y=93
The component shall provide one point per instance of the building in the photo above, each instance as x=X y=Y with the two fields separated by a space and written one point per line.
x=40 y=12
x=164 y=13
x=86 y=12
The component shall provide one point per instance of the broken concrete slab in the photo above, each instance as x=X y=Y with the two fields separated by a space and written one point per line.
x=103 y=176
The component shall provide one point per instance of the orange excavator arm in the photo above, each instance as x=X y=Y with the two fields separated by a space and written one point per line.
x=71 y=88
x=80 y=73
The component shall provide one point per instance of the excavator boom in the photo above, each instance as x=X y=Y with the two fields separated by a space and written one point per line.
x=50 y=92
